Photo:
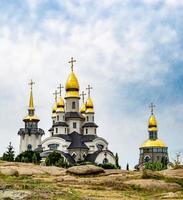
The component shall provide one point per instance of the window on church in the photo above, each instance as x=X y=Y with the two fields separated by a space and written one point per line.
x=74 y=155
x=56 y=130
x=57 y=118
x=95 y=131
x=100 y=147
x=73 y=105
x=87 y=118
x=86 y=131
x=74 y=125
x=147 y=158
x=53 y=146
x=93 y=118
x=29 y=147
x=65 y=130
x=105 y=161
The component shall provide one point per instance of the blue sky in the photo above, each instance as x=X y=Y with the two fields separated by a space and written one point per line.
x=131 y=52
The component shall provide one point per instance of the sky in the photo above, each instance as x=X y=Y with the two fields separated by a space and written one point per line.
x=131 y=52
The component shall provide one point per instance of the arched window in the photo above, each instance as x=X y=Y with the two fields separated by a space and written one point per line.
x=29 y=147
x=105 y=161
x=74 y=155
x=147 y=158
x=74 y=125
x=73 y=105
x=86 y=131
x=84 y=156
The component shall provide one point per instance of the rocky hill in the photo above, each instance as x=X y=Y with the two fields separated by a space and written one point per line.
x=29 y=182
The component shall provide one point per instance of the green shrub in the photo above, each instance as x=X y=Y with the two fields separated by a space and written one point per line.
x=108 y=166
x=28 y=157
x=155 y=166
x=56 y=159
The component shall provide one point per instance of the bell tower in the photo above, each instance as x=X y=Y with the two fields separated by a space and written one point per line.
x=30 y=135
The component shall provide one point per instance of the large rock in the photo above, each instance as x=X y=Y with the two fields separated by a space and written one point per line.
x=85 y=170
x=151 y=184
x=9 y=171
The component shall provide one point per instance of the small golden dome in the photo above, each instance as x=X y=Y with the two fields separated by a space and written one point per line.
x=83 y=108
x=89 y=106
x=153 y=143
x=54 y=107
x=72 y=86
x=60 y=103
x=152 y=124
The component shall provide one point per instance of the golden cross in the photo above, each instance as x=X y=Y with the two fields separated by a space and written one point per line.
x=152 y=106
x=89 y=88
x=83 y=96
x=60 y=89
x=71 y=62
x=31 y=83
x=55 y=95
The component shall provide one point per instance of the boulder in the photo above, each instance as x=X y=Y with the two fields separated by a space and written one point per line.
x=151 y=184
x=9 y=172
x=85 y=170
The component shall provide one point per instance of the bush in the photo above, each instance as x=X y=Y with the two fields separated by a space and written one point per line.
x=55 y=159
x=108 y=166
x=28 y=157
x=156 y=166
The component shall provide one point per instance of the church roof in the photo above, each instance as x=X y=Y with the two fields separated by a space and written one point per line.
x=60 y=124
x=77 y=141
x=89 y=124
x=75 y=135
x=92 y=157
x=73 y=115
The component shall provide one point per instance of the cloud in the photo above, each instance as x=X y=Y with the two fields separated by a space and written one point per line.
x=128 y=52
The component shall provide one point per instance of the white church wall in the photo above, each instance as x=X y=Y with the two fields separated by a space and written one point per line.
x=69 y=105
x=100 y=158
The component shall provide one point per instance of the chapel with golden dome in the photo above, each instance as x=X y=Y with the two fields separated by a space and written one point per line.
x=74 y=132
x=153 y=149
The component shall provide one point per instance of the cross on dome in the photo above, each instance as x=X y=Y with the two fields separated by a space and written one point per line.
x=72 y=61
x=152 y=106
x=31 y=83
x=83 y=96
x=60 y=87
x=55 y=95
x=89 y=90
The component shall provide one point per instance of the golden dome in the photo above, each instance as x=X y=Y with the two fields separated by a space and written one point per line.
x=72 y=86
x=60 y=105
x=89 y=106
x=54 y=107
x=153 y=143
x=83 y=108
x=152 y=124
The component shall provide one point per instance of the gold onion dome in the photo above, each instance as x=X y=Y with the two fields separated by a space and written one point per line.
x=83 y=108
x=54 y=108
x=152 y=124
x=153 y=143
x=60 y=105
x=72 y=86
x=89 y=106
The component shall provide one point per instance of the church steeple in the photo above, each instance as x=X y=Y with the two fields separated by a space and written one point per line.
x=31 y=110
x=152 y=124
x=89 y=102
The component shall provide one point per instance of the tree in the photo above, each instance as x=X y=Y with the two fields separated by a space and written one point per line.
x=9 y=154
x=127 y=167
x=34 y=158
x=117 y=161
x=56 y=159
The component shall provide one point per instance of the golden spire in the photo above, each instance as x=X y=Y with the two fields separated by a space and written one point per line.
x=152 y=124
x=31 y=116
x=31 y=101
x=72 y=84
x=89 y=102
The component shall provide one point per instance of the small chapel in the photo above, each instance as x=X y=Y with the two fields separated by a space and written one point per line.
x=73 y=132
x=153 y=149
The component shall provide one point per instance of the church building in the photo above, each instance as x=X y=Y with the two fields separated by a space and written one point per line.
x=153 y=149
x=73 y=132
x=30 y=135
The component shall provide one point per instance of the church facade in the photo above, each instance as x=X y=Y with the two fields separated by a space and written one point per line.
x=73 y=132
x=153 y=149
